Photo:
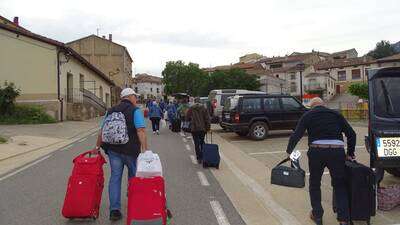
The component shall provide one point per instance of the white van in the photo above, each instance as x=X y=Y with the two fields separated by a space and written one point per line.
x=217 y=99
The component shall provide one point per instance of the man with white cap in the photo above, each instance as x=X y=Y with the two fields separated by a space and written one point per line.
x=121 y=155
x=325 y=128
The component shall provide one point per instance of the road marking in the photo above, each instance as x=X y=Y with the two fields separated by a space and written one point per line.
x=240 y=141
x=24 y=168
x=280 y=152
x=219 y=213
x=184 y=140
x=203 y=178
x=188 y=147
x=66 y=148
x=94 y=134
x=193 y=158
x=82 y=140
x=325 y=173
x=284 y=216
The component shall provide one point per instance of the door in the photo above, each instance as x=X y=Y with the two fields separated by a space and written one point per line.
x=251 y=108
x=292 y=112
x=337 y=89
x=70 y=87
x=273 y=111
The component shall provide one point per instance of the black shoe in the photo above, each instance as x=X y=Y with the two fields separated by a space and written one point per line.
x=317 y=221
x=199 y=161
x=115 y=215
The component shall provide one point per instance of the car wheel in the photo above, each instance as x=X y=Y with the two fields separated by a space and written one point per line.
x=259 y=130
x=394 y=171
x=242 y=133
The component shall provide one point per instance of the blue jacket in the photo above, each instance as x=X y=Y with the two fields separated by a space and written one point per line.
x=155 y=112
x=171 y=109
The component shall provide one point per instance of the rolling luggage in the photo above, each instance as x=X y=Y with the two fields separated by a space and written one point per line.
x=292 y=176
x=85 y=187
x=211 y=157
x=361 y=188
x=176 y=125
x=146 y=201
x=388 y=197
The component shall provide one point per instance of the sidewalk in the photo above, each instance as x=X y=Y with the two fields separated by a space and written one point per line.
x=29 y=142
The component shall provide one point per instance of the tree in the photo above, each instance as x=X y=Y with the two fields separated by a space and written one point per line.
x=181 y=77
x=359 y=89
x=8 y=94
x=382 y=49
x=234 y=79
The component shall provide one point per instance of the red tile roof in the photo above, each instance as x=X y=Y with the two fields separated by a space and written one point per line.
x=393 y=58
x=146 y=78
x=339 y=63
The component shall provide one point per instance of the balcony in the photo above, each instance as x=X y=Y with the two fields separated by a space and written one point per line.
x=315 y=86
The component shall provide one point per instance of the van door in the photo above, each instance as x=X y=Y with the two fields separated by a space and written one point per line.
x=273 y=111
x=292 y=112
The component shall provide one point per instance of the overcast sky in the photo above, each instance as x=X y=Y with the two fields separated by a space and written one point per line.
x=213 y=32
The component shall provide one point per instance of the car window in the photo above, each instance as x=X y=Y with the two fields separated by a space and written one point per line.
x=271 y=104
x=290 y=104
x=251 y=105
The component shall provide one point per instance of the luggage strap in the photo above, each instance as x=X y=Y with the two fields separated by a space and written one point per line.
x=283 y=161
x=95 y=152
x=293 y=164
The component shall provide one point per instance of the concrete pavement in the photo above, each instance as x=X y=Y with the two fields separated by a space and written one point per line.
x=34 y=193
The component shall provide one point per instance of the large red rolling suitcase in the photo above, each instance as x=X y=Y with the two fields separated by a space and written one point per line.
x=85 y=186
x=146 y=201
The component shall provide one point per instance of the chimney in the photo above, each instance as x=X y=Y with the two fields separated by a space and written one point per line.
x=104 y=36
x=16 y=20
x=110 y=37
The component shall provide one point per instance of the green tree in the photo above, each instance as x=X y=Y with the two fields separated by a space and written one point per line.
x=382 y=49
x=8 y=94
x=234 y=79
x=359 y=89
x=181 y=77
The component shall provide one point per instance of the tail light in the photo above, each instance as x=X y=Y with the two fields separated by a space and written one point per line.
x=237 y=118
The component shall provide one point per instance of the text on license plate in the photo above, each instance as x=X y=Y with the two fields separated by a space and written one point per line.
x=388 y=146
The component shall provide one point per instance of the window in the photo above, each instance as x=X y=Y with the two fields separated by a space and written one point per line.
x=277 y=75
x=81 y=82
x=342 y=75
x=158 y=90
x=290 y=104
x=292 y=76
x=101 y=92
x=151 y=89
x=293 y=87
x=136 y=89
x=251 y=105
x=271 y=104
x=366 y=72
x=355 y=74
x=273 y=66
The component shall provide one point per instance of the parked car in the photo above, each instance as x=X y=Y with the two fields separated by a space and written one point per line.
x=383 y=140
x=255 y=115
x=217 y=99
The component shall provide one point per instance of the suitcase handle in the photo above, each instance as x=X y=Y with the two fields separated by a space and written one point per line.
x=283 y=161
x=95 y=152
x=297 y=165
x=210 y=137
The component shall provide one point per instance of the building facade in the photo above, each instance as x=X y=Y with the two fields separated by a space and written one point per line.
x=48 y=73
x=149 y=87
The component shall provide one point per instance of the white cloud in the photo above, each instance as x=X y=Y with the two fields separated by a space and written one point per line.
x=213 y=32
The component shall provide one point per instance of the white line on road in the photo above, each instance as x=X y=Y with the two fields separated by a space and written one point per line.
x=187 y=147
x=280 y=152
x=219 y=213
x=82 y=140
x=193 y=158
x=24 y=168
x=203 y=178
x=283 y=215
x=94 y=134
x=184 y=140
x=66 y=148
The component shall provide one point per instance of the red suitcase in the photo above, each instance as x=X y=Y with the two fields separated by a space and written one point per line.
x=85 y=186
x=146 y=201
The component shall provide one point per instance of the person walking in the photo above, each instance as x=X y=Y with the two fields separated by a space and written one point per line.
x=200 y=124
x=171 y=112
x=121 y=155
x=155 y=115
x=325 y=129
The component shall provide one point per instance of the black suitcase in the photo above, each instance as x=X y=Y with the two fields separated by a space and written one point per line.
x=176 y=125
x=211 y=157
x=292 y=176
x=361 y=188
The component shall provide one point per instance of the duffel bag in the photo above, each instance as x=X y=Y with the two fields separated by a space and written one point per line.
x=292 y=176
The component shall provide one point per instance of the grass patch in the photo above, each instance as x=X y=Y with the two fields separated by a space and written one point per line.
x=27 y=114
x=2 y=140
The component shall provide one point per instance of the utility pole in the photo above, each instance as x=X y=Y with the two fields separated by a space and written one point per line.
x=301 y=68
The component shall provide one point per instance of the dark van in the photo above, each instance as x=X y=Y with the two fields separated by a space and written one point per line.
x=255 y=115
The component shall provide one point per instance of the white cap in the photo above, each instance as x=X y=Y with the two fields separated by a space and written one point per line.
x=127 y=91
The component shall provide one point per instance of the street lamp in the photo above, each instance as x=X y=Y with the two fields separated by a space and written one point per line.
x=300 y=67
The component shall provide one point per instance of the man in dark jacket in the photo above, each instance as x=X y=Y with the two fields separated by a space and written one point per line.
x=200 y=124
x=121 y=155
x=325 y=129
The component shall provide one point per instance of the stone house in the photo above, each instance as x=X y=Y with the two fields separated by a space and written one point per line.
x=51 y=74
x=148 y=86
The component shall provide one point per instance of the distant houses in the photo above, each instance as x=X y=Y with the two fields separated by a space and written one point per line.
x=148 y=86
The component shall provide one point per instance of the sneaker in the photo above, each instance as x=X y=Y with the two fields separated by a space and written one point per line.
x=154 y=132
x=158 y=132
x=317 y=221
x=115 y=215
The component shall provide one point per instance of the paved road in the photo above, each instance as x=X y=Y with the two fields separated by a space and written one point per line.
x=34 y=194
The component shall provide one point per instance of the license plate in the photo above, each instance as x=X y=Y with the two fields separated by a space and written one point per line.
x=388 y=146
x=227 y=116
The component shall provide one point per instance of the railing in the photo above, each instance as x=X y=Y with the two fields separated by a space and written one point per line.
x=74 y=95
x=77 y=95
x=89 y=97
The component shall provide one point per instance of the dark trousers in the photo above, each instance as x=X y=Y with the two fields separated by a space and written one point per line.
x=198 y=139
x=155 y=123
x=334 y=159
